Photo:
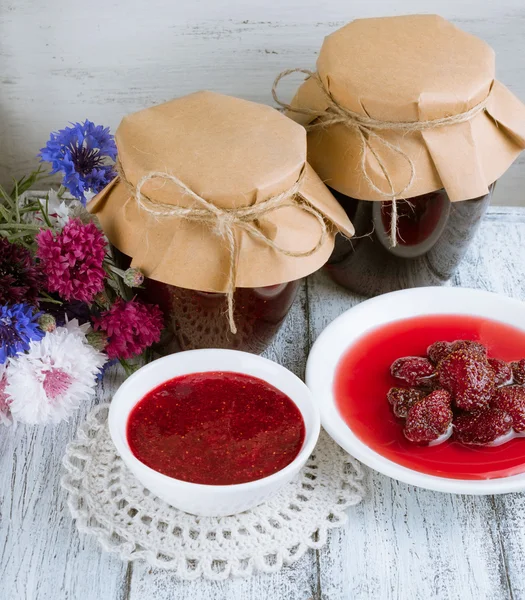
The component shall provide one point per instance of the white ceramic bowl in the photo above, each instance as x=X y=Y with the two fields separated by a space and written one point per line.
x=211 y=500
x=351 y=325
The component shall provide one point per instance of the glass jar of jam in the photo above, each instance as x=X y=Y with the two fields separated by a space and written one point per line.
x=203 y=209
x=399 y=107
x=433 y=235
x=195 y=319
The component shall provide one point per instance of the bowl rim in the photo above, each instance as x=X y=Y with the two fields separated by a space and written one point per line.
x=470 y=301
x=310 y=438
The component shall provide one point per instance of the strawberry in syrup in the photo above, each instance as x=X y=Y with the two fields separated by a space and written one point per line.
x=502 y=371
x=402 y=399
x=468 y=378
x=429 y=418
x=511 y=398
x=482 y=426
x=518 y=371
x=412 y=370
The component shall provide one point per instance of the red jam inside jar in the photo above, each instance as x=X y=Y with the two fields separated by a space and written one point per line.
x=433 y=235
x=216 y=428
x=363 y=379
x=196 y=319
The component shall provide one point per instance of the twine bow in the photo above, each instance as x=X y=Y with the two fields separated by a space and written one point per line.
x=367 y=127
x=224 y=221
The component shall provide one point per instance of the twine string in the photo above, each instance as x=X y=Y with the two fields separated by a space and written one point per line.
x=224 y=222
x=367 y=129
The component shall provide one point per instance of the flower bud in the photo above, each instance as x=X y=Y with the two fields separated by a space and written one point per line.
x=47 y=323
x=133 y=277
x=97 y=339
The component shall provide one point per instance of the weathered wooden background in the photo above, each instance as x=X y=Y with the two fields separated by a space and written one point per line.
x=66 y=61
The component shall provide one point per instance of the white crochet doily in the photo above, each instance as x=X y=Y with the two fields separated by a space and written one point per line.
x=106 y=500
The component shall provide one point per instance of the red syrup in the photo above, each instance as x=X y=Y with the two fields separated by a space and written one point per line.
x=216 y=428
x=363 y=379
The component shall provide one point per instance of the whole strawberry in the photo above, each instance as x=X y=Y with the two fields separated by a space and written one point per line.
x=438 y=351
x=502 y=371
x=473 y=347
x=402 y=399
x=468 y=378
x=511 y=399
x=429 y=418
x=482 y=426
x=518 y=371
x=412 y=370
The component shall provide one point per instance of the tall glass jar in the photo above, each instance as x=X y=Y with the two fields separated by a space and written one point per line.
x=433 y=235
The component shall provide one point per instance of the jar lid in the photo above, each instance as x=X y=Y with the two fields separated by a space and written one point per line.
x=415 y=68
x=231 y=153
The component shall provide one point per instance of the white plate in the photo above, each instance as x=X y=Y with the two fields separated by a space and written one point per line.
x=351 y=325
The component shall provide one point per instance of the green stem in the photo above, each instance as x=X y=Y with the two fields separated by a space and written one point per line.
x=48 y=298
x=28 y=209
x=15 y=236
x=17 y=204
x=43 y=212
x=20 y=226
x=61 y=191
x=114 y=269
x=116 y=275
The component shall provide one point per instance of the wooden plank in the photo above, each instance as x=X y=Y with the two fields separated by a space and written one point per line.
x=404 y=542
x=43 y=557
x=51 y=75
x=498 y=258
x=298 y=581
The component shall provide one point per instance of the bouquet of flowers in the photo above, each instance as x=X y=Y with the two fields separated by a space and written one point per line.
x=66 y=309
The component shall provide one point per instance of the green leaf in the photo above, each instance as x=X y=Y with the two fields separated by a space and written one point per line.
x=5 y=214
x=7 y=198
x=27 y=181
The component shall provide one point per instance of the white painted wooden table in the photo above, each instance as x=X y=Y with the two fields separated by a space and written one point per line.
x=400 y=542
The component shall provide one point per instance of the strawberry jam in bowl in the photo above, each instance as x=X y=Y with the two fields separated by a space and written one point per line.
x=214 y=432
x=428 y=386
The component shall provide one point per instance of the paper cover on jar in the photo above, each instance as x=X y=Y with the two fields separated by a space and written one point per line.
x=411 y=69
x=232 y=153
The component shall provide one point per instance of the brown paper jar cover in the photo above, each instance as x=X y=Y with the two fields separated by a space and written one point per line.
x=233 y=153
x=412 y=68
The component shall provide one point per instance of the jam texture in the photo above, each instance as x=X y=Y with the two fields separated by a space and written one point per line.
x=216 y=428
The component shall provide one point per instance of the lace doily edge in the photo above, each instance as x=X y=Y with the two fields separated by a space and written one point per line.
x=216 y=569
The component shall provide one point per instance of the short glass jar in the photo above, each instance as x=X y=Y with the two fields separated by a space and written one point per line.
x=433 y=235
x=195 y=319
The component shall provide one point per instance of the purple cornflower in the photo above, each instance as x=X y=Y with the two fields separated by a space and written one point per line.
x=18 y=326
x=81 y=152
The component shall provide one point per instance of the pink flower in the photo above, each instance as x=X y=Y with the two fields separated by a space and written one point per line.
x=5 y=412
x=131 y=327
x=72 y=260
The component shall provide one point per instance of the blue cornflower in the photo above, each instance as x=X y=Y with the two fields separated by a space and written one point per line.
x=81 y=152
x=18 y=326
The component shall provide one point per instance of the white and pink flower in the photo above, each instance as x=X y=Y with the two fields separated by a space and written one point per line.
x=53 y=378
x=5 y=412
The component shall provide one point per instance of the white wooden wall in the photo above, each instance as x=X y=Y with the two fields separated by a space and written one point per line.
x=69 y=60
